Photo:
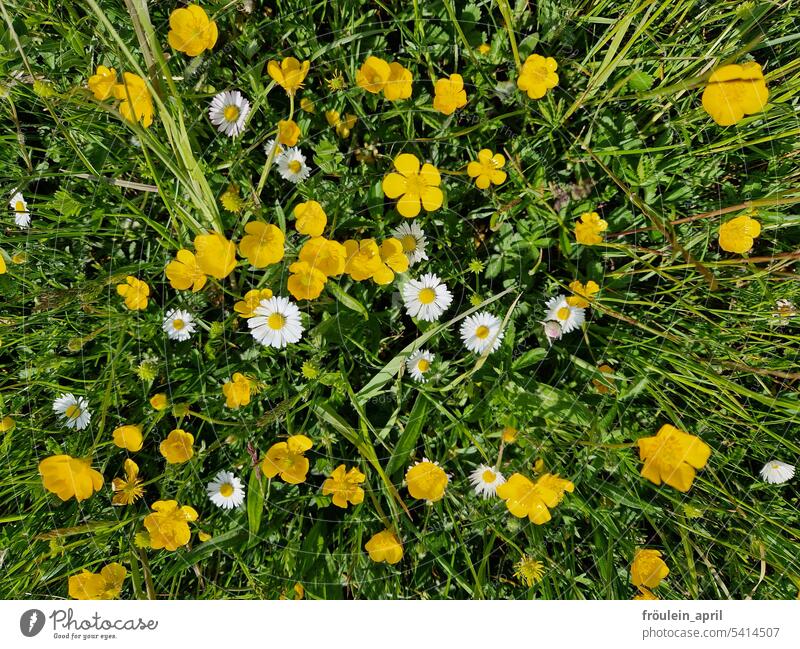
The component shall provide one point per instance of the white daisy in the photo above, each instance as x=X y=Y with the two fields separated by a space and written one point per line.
x=226 y=490
x=178 y=325
x=292 y=165
x=276 y=322
x=486 y=480
x=568 y=316
x=268 y=148
x=22 y=217
x=228 y=112
x=481 y=332
x=777 y=472
x=426 y=298
x=418 y=364
x=413 y=239
x=73 y=410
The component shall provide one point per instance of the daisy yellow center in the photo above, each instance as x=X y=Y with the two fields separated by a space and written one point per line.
x=423 y=365
x=276 y=321
x=776 y=466
x=231 y=113
x=482 y=332
x=488 y=476
x=73 y=411
x=226 y=490
x=562 y=313
x=427 y=295
x=409 y=243
x=19 y=207
x=295 y=166
x=178 y=324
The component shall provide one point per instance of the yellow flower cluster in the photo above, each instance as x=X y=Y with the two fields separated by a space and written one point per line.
x=525 y=498
x=136 y=103
x=105 y=585
x=392 y=79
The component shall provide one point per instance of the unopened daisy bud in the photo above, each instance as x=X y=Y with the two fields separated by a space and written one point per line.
x=552 y=330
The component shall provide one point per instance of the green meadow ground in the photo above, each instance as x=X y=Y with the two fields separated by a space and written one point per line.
x=688 y=327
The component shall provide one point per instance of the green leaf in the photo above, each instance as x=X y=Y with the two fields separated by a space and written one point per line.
x=255 y=501
x=347 y=300
x=408 y=439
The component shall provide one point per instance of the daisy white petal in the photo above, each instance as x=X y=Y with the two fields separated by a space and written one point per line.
x=568 y=316
x=777 y=472
x=74 y=411
x=481 y=331
x=412 y=237
x=418 y=364
x=426 y=298
x=226 y=490
x=276 y=322
x=178 y=325
x=22 y=217
x=485 y=480
x=228 y=112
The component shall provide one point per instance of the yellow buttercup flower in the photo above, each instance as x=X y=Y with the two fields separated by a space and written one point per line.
x=484 y=49
x=135 y=293
x=426 y=480
x=290 y=74
x=307 y=105
x=128 y=490
x=191 y=31
x=344 y=485
x=68 y=477
x=525 y=498
x=177 y=448
x=672 y=456
x=7 y=424
x=583 y=295
x=644 y=594
x=288 y=132
x=102 y=82
x=413 y=186
x=538 y=75
x=263 y=244
x=237 y=391
x=363 y=259
x=373 y=75
x=287 y=459
x=394 y=261
x=398 y=85
x=310 y=218
x=600 y=387
x=734 y=91
x=509 y=434
x=185 y=273
x=159 y=401
x=128 y=437
x=168 y=525
x=648 y=569
x=246 y=307
x=588 y=230
x=136 y=104
x=385 y=547
x=487 y=169
x=215 y=255
x=738 y=234
x=305 y=282
x=105 y=585
x=449 y=94
x=325 y=255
